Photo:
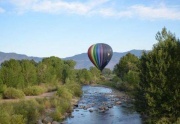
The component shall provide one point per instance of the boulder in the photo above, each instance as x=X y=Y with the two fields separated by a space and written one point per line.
x=39 y=122
x=47 y=120
x=118 y=102
x=55 y=122
x=90 y=110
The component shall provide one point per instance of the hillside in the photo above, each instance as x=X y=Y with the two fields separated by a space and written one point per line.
x=82 y=60
x=7 y=56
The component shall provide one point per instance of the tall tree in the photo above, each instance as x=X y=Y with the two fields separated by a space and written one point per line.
x=158 y=92
x=126 y=63
x=11 y=74
x=29 y=72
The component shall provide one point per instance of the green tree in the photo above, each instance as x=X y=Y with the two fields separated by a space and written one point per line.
x=55 y=66
x=11 y=74
x=68 y=70
x=45 y=73
x=158 y=92
x=29 y=72
x=126 y=63
x=96 y=74
x=106 y=71
x=128 y=71
x=84 y=76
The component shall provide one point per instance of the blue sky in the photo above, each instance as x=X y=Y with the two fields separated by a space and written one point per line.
x=64 y=28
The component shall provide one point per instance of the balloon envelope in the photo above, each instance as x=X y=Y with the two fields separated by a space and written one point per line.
x=100 y=54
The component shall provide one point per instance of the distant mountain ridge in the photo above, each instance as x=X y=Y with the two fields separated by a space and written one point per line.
x=7 y=56
x=82 y=60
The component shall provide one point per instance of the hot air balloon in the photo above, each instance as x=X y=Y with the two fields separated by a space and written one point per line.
x=100 y=54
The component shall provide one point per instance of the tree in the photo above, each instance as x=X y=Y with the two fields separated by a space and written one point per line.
x=68 y=70
x=11 y=74
x=96 y=74
x=29 y=72
x=55 y=66
x=158 y=92
x=106 y=71
x=126 y=63
x=84 y=76
x=128 y=71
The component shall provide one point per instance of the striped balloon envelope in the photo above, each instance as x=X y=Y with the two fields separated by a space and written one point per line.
x=100 y=54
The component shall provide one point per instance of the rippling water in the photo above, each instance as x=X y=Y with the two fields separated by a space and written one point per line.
x=95 y=97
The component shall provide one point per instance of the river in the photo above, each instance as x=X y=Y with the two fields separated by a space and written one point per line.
x=102 y=105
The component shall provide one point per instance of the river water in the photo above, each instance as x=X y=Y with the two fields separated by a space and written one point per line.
x=100 y=105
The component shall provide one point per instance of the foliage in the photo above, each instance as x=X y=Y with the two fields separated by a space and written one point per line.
x=128 y=71
x=74 y=88
x=158 y=92
x=12 y=93
x=64 y=93
x=127 y=63
x=17 y=119
x=31 y=110
x=84 y=76
x=33 y=90
x=106 y=71
x=11 y=74
x=33 y=79
x=28 y=70
x=95 y=74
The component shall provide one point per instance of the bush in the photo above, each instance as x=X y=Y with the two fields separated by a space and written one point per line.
x=4 y=117
x=74 y=88
x=2 y=88
x=17 y=119
x=6 y=110
x=31 y=110
x=64 y=93
x=33 y=90
x=56 y=115
x=12 y=93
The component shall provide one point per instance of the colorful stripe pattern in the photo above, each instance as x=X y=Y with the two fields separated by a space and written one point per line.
x=100 y=54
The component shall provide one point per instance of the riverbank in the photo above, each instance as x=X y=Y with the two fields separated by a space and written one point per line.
x=101 y=104
x=48 y=108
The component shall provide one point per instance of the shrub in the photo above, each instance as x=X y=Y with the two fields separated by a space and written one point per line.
x=2 y=88
x=65 y=106
x=56 y=115
x=12 y=93
x=64 y=93
x=17 y=119
x=74 y=88
x=33 y=90
x=4 y=117
x=31 y=110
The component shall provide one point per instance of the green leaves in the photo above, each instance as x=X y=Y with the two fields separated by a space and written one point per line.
x=128 y=70
x=160 y=80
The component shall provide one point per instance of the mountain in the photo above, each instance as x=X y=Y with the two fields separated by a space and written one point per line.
x=7 y=56
x=82 y=60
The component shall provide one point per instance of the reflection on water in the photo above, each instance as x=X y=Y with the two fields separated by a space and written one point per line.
x=89 y=110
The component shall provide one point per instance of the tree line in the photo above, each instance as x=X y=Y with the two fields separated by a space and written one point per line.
x=153 y=79
x=20 y=78
x=20 y=74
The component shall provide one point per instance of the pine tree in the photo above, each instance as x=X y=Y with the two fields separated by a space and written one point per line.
x=159 y=88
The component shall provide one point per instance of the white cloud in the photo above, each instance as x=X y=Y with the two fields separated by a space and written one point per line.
x=110 y=12
x=2 y=10
x=159 y=12
x=144 y=12
x=98 y=7
x=56 y=6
